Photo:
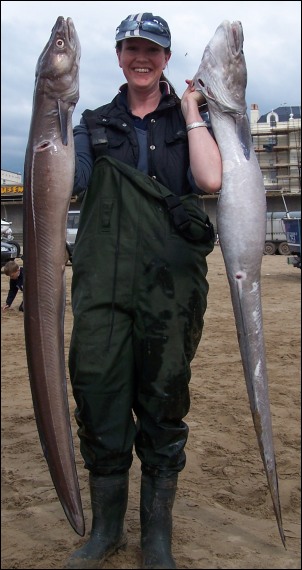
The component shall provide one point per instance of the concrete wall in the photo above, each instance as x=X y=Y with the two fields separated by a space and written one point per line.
x=274 y=204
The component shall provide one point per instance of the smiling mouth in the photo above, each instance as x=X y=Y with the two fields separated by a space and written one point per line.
x=141 y=70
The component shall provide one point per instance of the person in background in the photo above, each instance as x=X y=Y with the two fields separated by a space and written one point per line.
x=139 y=289
x=15 y=273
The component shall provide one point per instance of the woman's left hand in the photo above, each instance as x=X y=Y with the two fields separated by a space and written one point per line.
x=191 y=98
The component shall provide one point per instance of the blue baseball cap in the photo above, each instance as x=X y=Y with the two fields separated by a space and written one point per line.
x=147 y=26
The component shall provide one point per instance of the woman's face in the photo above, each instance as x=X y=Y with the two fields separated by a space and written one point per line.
x=142 y=62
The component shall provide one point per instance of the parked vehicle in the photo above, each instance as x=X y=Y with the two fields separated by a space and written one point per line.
x=6 y=230
x=275 y=240
x=7 y=235
x=8 y=252
x=292 y=228
x=73 y=217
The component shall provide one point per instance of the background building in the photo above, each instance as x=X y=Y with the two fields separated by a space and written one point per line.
x=277 y=142
x=276 y=138
x=8 y=177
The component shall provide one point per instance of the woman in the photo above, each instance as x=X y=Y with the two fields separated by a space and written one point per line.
x=139 y=289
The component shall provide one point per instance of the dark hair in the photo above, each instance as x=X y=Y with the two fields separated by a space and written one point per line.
x=172 y=89
x=118 y=47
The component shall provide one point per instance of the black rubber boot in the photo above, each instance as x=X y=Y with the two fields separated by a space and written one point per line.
x=109 y=497
x=157 y=499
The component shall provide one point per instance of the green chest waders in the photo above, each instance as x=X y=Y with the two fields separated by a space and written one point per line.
x=139 y=294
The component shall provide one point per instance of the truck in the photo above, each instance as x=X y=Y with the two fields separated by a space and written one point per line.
x=292 y=227
x=276 y=239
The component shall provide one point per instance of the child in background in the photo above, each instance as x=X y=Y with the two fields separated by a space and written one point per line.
x=15 y=273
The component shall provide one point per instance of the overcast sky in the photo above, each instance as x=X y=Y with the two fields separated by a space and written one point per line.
x=272 y=45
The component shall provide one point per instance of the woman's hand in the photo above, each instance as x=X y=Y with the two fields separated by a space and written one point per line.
x=191 y=100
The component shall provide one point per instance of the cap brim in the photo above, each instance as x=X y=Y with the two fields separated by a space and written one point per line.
x=156 y=39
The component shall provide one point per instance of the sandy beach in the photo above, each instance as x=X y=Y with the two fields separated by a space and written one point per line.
x=223 y=514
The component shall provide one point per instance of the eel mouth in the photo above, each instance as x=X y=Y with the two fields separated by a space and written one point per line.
x=235 y=37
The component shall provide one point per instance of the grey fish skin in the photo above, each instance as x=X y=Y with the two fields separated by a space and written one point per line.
x=48 y=183
x=241 y=213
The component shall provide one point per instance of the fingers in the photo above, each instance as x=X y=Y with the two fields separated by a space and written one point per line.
x=190 y=83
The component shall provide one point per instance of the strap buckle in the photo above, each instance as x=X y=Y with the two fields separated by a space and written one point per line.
x=179 y=215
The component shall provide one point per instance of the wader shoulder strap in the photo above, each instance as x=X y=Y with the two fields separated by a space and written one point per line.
x=98 y=134
x=177 y=212
x=188 y=218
